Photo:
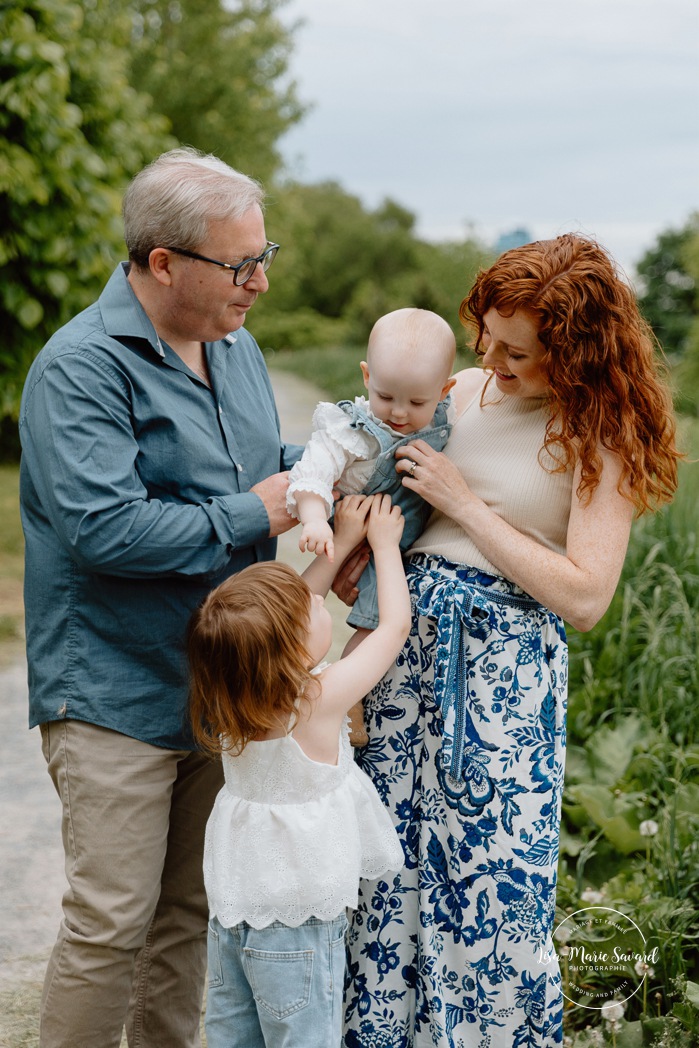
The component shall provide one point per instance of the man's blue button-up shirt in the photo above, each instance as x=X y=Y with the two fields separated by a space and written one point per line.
x=135 y=498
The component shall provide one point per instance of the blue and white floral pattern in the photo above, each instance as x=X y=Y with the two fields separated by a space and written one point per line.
x=466 y=748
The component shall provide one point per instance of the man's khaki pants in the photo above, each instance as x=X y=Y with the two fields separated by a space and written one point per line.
x=131 y=949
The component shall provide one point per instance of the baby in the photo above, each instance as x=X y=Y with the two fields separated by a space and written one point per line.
x=407 y=372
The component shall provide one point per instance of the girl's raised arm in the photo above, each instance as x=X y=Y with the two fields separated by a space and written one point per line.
x=348 y=680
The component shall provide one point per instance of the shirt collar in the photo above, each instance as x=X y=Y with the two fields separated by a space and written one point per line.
x=124 y=316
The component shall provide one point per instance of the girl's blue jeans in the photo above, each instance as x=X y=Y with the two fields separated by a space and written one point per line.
x=276 y=986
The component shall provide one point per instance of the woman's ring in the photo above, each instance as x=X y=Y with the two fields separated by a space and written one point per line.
x=413 y=467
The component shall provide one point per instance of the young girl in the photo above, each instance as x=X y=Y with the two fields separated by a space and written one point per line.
x=297 y=823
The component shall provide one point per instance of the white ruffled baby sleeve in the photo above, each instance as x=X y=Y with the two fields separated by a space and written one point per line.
x=333 y=446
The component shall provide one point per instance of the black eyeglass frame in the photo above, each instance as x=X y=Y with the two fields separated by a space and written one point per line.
x=265 y=260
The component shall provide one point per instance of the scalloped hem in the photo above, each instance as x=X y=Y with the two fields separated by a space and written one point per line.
x=328 y=913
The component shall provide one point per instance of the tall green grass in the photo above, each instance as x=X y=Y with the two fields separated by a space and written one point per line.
x=631 y=801
x=11 y=539
x=642 y=657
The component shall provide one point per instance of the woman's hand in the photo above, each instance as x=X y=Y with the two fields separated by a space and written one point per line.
x=433 y=476
x=579 y=584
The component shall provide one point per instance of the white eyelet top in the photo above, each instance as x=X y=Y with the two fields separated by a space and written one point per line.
x=289 y=837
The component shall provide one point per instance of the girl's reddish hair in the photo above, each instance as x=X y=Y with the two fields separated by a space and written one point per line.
x=608 y=386
x=247 y=656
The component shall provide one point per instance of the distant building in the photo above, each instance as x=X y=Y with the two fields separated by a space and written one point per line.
x=515 y=238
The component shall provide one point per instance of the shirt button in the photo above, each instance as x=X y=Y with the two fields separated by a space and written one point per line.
x=443 y=433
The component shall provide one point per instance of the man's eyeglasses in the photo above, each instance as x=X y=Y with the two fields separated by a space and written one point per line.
x=243 y=271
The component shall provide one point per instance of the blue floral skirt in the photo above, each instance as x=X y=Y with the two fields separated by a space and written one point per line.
x=466 y=748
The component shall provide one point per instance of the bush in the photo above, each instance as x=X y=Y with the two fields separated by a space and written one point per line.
x=302 y=329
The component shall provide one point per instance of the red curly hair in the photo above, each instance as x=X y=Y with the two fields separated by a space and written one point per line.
x=247 y=656
x=607 y=384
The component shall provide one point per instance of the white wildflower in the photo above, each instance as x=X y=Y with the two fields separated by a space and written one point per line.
x=642 y=968
x=562 y=934
x=592 y=896
x=612 y=1011
x=648 y=828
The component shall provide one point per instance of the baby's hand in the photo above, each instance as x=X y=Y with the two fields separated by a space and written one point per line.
x=385 y=523
x=351 y=520
x=317 y=537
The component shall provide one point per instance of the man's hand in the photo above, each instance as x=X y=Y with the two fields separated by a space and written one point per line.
x=272 y=492
x=345 y=584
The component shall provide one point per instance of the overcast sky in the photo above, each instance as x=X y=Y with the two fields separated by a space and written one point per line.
x=487 y=115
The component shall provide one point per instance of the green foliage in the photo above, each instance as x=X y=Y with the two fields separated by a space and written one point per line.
x=330 y=244
x=641 y=658
x=218 y=73
x=72 y=132
x=668 y=298
x=656 y=797
x=299 y=327
x=347 y=264
x=334 y=370
x=688 y=369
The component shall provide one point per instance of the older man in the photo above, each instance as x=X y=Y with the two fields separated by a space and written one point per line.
x=152 y=469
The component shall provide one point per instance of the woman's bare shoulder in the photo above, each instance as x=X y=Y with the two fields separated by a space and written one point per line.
x=468 y=383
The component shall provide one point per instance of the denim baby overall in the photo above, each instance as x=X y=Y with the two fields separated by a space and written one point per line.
x=386 y=480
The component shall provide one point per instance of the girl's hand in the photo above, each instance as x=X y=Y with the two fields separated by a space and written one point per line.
x=433 y=476
x=385 y=523
x=351 y=521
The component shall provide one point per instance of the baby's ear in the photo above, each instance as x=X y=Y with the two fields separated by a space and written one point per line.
x=449 y=384
x=365 y=372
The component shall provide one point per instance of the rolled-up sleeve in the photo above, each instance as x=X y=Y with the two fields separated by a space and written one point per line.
x=333 y=447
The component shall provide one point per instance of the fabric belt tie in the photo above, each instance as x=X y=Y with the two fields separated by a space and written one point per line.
x=456 y=606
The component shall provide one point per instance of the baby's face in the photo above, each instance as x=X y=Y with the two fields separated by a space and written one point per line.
x=405 y=399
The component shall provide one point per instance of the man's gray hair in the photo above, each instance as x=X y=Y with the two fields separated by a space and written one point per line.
x=172 y=201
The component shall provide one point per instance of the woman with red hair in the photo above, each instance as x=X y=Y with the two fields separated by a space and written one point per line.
x=564 y=431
